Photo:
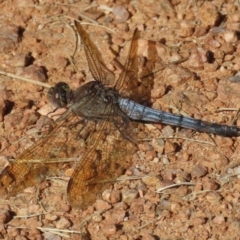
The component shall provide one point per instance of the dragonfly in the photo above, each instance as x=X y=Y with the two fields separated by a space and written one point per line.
x=98 y=130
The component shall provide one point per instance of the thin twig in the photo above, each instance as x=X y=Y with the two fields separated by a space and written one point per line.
x=29 y=216
x=125 y=178
x=56 y=231
x=175 y=185
x=226 y=109
x=187 y=139
x=25 y=79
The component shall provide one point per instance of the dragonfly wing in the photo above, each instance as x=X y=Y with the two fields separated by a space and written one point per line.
x=41 y=159
x=128 y=79
x=129 y=84
x=109 y=154
x=95 y=62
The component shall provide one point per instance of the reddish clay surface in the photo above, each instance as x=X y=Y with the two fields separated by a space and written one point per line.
x=37 y=43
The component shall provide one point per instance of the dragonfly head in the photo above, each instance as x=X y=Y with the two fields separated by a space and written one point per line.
x=60 y=95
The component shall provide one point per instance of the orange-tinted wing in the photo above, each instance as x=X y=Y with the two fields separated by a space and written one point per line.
x=108 y=155
x=95 y=62
x=128 y=79
x=134 y=84
x=40 y=160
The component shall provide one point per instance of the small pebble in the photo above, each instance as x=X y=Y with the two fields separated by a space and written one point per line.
x=63 y=223
x=137 y=205
x=121 y=14
x=128 y=195
x=9 y=38
x=102 y=205
x=5 y=216
x=109 y=230
x=198 y=171
x=20 y=60
x=219 y=219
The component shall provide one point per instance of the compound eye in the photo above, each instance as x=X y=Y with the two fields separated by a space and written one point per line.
x=60 y=95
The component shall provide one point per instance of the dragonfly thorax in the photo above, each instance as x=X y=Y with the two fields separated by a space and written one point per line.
x=97 y=90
